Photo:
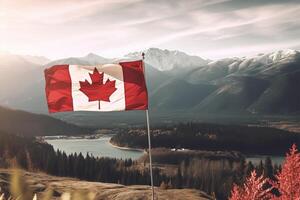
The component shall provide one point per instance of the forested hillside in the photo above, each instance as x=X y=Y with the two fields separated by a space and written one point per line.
x=29 y=124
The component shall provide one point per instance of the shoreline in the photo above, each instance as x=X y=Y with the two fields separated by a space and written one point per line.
x=127 y=148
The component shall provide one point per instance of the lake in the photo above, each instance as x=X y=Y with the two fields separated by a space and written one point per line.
x=97 y=147
x=102 y=148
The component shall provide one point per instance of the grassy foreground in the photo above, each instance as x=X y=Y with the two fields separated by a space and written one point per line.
x=22 y=185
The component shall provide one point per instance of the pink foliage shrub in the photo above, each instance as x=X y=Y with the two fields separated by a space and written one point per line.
x=287 y=182
x=252 y=189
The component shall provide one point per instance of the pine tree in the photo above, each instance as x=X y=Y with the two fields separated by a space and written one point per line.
x=240 y=172
x=268 y=168
x=178 y=178
x=260 y=168
x=249 y=168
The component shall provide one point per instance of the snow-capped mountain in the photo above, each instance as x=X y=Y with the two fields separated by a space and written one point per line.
x=95 y=59
x=266 y=60
x=165 y=60
x=276 y=56
x=89 y=59
x=268 y=64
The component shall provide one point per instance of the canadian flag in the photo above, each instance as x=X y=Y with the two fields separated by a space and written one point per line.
x=108 y=87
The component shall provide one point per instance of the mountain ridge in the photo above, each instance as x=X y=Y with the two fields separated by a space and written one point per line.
x=166 y=60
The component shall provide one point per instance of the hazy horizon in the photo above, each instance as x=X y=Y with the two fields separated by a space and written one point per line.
x=209 y=29
x=212 y=59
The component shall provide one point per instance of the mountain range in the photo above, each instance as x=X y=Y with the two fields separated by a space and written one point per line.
x=265 y=84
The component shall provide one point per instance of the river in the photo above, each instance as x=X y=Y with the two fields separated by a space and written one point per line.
x=102 y=148
x=97 y=147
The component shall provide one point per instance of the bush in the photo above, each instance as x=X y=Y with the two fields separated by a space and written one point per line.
x=287 y=182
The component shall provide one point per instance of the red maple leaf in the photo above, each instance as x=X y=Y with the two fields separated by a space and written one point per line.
x=97 y=91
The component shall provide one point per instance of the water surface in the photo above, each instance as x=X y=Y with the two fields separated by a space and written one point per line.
x=97 y=147
x=102 y=148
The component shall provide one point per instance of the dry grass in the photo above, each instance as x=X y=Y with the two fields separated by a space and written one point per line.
x=38 y=186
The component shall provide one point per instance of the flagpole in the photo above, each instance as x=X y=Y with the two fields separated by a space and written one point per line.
x=149 y=141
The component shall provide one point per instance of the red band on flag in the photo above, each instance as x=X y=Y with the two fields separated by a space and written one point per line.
x=136 y=96
x=59 y=89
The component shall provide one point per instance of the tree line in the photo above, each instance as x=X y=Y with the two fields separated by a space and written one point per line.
x=212 y=176
x=216 y=137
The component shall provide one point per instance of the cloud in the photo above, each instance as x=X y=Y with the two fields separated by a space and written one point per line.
x=112 y=28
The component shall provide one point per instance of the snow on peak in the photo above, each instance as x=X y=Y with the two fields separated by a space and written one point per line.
x=251 y=65
x=94 y=59
x=282 y=54
x=164 y=60
x=273 y=57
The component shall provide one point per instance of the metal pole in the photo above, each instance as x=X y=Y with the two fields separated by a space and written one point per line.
x=150 y=157
x=149 y=140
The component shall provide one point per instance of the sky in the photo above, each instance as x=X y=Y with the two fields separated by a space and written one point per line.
x=211 y=29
